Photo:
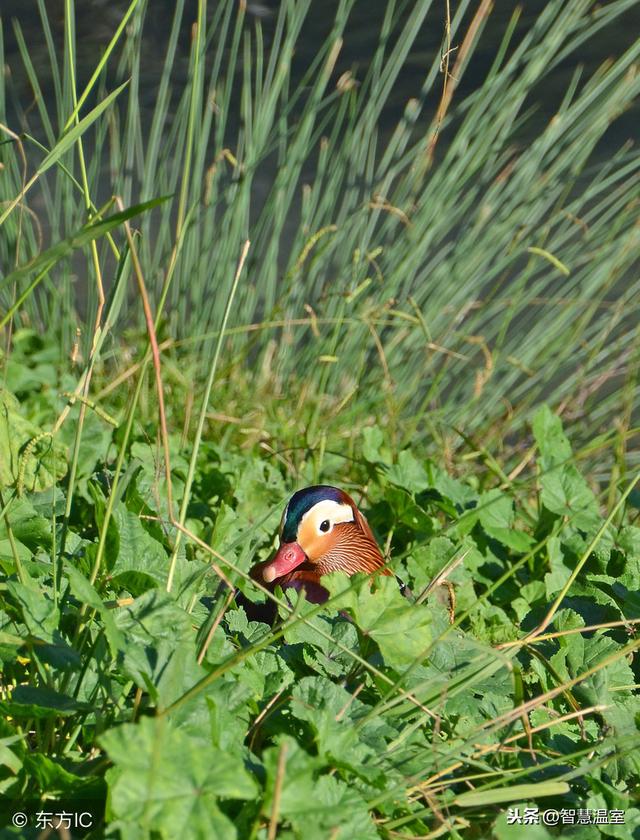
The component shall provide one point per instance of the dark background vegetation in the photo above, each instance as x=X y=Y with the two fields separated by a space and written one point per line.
x=248 y=248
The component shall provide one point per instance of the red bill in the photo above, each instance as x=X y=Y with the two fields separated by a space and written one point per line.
x=288 y=558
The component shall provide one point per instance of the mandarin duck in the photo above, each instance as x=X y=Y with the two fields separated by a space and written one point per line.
x=321 y=531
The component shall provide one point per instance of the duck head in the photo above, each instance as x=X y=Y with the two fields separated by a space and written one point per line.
x=321 y=531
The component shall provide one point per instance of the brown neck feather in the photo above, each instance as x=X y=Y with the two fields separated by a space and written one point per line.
x=354 y=551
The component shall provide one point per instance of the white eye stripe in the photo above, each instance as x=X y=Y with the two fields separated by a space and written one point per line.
x=283 y=519
x=328 y=509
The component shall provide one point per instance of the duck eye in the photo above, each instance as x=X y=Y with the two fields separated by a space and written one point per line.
x=325 y=525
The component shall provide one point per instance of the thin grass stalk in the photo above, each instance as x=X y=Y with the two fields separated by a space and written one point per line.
x=203 y=415
x=583 y=559
x=497 y=723
x=153 y=341
x=136 y=396
x=70 y=51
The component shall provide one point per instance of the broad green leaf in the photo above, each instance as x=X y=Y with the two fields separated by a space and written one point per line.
x=453 y=489
x=332 y=713
x=426 y=561
x=27 y=525
x=229 y=703
x=38 y=611
x=96 y=437
x=142 y=562
x=563 y=490
x=10 y=639
x=260 y=492
x=159 y=654
x=53 y=779
x=297 y=779
x=317 y=806
x=613 y=687
x=552 y=442
x=495 y=509
x=86 y=594
x=22 y=375
x=569 y=659
x=625 y=563
x=49 y=503
x=34 y=702
x=225 y=531
x=406 y=511
x=266 y=673
x=8 y=757
x=560 y=573
x=29 y=457
x=307 y=631
x=373 y=449
x=332 y=657
x=6 y=552
x=408 y=473
x=337 y=810
x=163 y=780
x=401 y=629
x=519 y=541
x=150 y=479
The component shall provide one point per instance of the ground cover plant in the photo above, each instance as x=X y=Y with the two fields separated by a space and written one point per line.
x=373 y=715
x=441 y=318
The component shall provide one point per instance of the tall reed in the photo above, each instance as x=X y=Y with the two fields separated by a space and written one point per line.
x=452 y=273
